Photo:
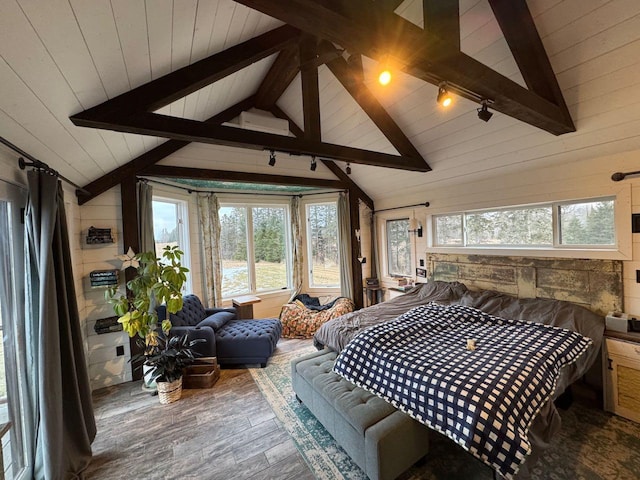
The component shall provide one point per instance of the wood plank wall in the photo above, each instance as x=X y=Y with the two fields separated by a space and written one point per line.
x=594 y=284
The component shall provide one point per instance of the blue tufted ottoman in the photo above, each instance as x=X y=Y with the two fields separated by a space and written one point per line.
x=247 y=341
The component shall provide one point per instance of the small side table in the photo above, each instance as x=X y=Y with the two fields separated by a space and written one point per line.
x=621 y=370
x=244 y=306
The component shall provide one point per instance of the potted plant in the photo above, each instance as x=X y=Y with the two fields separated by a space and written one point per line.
x=167 y=359
x=158 y=281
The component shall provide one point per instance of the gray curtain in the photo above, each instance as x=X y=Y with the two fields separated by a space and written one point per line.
x=298 y=249
x=145 y=217
x=208 y=207
x=61 y=411
x=344 y=237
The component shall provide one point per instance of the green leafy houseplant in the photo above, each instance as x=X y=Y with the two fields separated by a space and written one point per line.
x=158 y=281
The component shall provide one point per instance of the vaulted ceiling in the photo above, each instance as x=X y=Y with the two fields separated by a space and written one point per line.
x=96 y=88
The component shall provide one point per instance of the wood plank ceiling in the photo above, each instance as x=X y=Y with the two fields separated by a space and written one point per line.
x=60 y=58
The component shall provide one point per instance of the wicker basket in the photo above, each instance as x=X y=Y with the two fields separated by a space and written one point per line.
x=169 y=392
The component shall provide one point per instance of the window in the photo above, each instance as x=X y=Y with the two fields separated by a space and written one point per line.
x=517 y=227
x=322 y=245
x=585 y=223
x=448 y=230
x=254 y=249
x=12 y=361
x=171 y=228
x=398 y=247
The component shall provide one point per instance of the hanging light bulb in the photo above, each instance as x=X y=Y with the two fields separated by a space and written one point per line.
x=384 y=78
x=348 y=169
x=444 y=97
x=272 y=158
x=314 y=165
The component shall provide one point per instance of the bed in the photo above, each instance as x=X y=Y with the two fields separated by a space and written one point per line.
x=567 y=316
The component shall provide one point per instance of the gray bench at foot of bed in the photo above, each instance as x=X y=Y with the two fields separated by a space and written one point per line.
x=383 y=441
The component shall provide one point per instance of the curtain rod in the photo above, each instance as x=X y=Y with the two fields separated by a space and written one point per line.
x=195 y=190
x=35 y=163
x=425 y=204
x=618 y=176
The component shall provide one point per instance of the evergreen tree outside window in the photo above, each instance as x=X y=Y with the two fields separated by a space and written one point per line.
x=587 y=223
x=233 y=251
x=398 y=248
x=517 y=227
x=322 y=241
x=449 y=230
x=254 y=249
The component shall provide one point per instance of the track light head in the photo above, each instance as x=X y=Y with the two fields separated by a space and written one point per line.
x=348 y=169
x=483 y=112
x=444 y=98
x=272 y=158
x=314 y=165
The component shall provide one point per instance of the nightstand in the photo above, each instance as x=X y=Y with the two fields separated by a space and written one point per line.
x=621 y=374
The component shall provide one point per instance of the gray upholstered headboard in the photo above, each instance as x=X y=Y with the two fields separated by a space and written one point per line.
x=594 y=284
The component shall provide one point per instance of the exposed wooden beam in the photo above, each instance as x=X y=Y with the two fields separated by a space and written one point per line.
x=356 y=266
x=523 y=39
x=130 y=239
x=355 y=67
x=358 y=27
x=153 y=156
x=331 y=165
x=194 y=131
x=442 y=19
x=372 y=107
x=353 y=186
x=310 y=89
x=162 y=91
x=227 y=176
x=278 y=78
x=355 y=193
x=293 y=126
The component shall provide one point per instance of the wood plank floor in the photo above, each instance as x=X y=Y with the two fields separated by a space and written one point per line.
x=225 y=432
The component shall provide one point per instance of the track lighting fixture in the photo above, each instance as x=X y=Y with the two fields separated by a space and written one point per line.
x=444 y=97
x=272 y=158
x=483 y=112
x=348 y=169
x=314 y=165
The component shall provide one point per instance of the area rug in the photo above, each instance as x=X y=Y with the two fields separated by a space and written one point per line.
x=592 y=444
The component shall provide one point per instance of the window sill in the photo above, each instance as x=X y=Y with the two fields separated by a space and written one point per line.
x=262 y=294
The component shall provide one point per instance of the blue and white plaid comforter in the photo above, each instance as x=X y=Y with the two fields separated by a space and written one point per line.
x=483 y=399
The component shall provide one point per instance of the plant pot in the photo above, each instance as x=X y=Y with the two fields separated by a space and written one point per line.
x=169 y=392
x=148 y=385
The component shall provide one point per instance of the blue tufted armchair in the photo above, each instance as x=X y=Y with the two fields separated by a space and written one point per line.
x=198 y=322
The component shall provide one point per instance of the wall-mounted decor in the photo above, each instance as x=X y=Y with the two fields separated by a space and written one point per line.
x=104 y=278
x=107 y=325
x=98 y=235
